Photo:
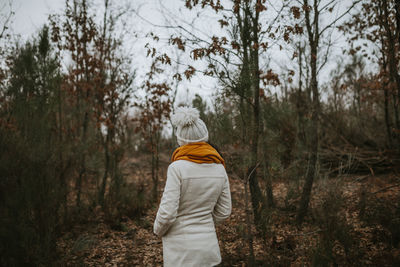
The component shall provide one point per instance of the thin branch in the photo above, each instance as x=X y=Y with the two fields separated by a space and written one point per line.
x=175 y=18
x=7 y=20
x=334 y=2
x=326 y=54
x=253 y=170
x=196 y=39
x=339 y=17
x=386 y=188
x=308 y=233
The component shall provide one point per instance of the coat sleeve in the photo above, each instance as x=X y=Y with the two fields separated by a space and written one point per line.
x=169 y=204
x=223 y=207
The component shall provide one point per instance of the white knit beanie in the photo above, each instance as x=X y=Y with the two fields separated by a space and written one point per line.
x=189 y=127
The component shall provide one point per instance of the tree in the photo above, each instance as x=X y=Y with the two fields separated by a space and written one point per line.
x=154 y=111
x=314 y=33
x=234 y=60
x=381 y=30
x=98 y=87
x=112 y=98
x=76 y=36
x=31 y=170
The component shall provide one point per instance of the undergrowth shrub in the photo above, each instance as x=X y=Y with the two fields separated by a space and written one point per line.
x=131 y=201
x=29 y=203
x=336 y=244
x=384 y=216
x=291 y=198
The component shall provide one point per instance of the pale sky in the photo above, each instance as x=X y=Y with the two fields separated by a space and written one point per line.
x=30 y=15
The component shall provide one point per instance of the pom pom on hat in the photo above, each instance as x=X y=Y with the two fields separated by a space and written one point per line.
x=189 y=127
x=185 y=116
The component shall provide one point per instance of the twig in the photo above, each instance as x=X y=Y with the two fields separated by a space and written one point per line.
x=309 y=233
x=255 y=167
x=386 y=188
x=362 y=178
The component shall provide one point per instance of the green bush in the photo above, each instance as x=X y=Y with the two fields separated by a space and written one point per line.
x=30 y=167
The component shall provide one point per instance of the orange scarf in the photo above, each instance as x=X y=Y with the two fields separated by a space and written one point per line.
x=200 y=152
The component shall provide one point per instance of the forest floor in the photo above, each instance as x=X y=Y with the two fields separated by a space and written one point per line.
x=132 y=242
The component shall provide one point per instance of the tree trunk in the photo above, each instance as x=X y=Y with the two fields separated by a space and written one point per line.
x=268 y=184
x=386 y=95
x=78 y=185
x=250 y=78
x=397 y=6
x=305 y=197
x=63 y=169
x=392 y=62
x=387 y=119
x=313 y=149
x=251 y=261
x=154 y=176
x=256 y=195
x=106 y=172
x=154 y=164
x=82 y=170
x=300 y=101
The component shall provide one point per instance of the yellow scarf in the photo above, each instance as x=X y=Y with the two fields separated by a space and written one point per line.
x=200 y=152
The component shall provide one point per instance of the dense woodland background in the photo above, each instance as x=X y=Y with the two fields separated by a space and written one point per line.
x=313 y=155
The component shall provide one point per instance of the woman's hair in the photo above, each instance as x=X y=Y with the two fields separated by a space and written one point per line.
x=215 y=147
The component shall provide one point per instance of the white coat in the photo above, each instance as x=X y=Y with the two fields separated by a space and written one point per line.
x=195 y=196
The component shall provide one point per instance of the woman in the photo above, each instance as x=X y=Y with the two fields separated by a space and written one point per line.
x=196 y=194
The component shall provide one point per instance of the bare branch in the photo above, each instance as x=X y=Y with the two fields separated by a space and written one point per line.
x=326 y=54
x=334 y=2
x=253 y=170
x=339 y=17
x=386 y=188
x=7 y=19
